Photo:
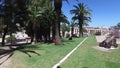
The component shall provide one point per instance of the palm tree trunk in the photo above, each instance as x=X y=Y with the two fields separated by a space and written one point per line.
x=57 y=36
x=4 y=34
x=59 y=28
x=58 y=6
x=63 y=33
x=32 y=37
x=53 y=31
x=35 y=31
x=72 y=30
x=80 y=30
x=49 y=35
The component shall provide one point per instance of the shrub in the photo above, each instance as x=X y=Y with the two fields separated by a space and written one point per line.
x=98 y=33
x=67 y=35
x=11 y=39
x=75 y=35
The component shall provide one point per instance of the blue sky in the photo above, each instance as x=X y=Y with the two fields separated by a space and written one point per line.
x=104 y=12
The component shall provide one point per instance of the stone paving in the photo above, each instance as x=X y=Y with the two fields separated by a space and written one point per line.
x=100 y=38
x=6 y=63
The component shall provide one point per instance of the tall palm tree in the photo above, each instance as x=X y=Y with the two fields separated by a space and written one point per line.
x=1 y=25
x=81 y=13
x=72 y=24
x=58 y=6
x=36 y=9
x=8 y=10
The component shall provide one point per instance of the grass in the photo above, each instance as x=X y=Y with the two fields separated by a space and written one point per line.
x=87 y=57
x=50 y=54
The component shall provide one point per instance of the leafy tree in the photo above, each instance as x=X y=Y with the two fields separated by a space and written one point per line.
x=36 y=9
x=13 y=12
x=41 y=19
x=81 y=14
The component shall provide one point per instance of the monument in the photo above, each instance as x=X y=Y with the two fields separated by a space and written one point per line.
x=109 y=42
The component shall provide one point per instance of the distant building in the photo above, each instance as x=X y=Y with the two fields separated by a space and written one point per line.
x=92 y=30
x=20 y=37
x=115 y=31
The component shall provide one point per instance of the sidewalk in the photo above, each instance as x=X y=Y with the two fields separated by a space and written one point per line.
x=100 y=38
x=6 y=63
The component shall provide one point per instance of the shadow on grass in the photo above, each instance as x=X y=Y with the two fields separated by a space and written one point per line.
x=5 y=54
x=67 y=40
x=113 y=64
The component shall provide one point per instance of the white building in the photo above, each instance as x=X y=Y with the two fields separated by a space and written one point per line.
x=92 y=30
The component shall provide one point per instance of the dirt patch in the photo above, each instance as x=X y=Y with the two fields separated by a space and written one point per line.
x=104 y=49
x=6 y=63
x=101 y=49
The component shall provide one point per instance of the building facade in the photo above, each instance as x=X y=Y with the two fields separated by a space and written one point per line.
x=91 y=30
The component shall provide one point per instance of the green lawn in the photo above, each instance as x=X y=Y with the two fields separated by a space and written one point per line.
x=87 y=57
x=50 y=54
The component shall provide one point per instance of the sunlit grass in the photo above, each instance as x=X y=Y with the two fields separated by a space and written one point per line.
x=50 y=54
x=88 y=57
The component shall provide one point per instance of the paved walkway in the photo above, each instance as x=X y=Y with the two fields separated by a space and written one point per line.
x=118 y=41
x=6 y=63
x=100 y=38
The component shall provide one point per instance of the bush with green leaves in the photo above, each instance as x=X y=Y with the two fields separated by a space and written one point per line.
x=11 y=39
x=98 y=33
x=67 y=35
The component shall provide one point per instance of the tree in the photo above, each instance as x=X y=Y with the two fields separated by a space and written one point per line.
x=58 y=6
x=72 y=24
x=1 y=26
x=64 y=27
x=81 y=14
x=49 y=19
x=7 y=14
x=13 y=12
x=36 y=9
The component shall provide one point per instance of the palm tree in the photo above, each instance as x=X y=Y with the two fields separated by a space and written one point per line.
x=58 y=6
x=63 y=24
x=72 y=24
x=64 y=27
x=49 y=18
x=81 y=13
x=1 y=26
x=7 y=18
x=36 y=9
x=11 y=12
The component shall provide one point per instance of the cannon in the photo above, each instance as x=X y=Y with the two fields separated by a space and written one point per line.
x=108 y=42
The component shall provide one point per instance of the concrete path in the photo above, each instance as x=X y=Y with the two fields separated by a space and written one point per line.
x=100 y=38
x=118 y=41
x=6 y=63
